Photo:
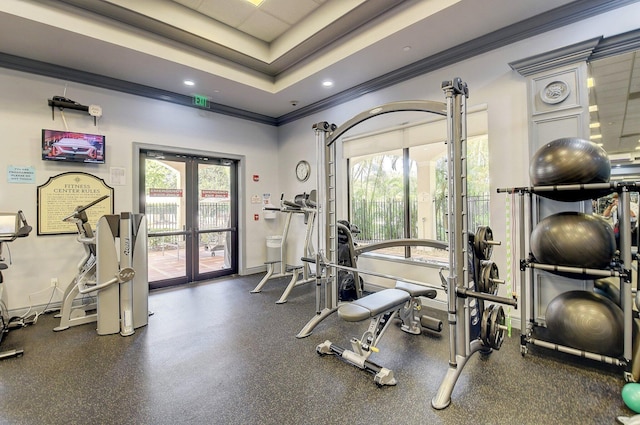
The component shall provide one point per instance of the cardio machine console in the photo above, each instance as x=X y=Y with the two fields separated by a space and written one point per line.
x=9 y=225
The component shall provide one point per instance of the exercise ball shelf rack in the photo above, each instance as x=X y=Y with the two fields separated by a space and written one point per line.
x=527 y=211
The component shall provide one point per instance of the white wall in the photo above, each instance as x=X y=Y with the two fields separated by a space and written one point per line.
x=269 y=152
x=491 y=81
x=126 y=119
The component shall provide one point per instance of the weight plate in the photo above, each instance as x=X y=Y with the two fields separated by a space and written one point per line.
x=481 y=248
x=484 y=327
x=497 y=320
x=488 y=275
x=491 y=332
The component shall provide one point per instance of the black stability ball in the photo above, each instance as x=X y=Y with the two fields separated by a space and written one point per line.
x=586 y=321
x=570 y=160
x=608 y=287
x=573 y=239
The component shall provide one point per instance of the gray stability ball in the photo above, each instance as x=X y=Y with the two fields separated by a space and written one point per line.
x=586 y=321
x=570 y=160
x=573 y=239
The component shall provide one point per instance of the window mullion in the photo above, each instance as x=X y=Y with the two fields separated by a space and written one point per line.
x=406 y=171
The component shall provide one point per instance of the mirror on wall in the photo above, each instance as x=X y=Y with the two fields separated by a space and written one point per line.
x=614 y=105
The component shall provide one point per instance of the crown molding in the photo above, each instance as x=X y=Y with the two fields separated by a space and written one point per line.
x=553 y=19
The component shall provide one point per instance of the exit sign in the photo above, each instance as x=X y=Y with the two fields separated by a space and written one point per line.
x=199 y=100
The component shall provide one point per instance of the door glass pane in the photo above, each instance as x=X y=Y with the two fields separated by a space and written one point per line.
x=165 y=213
x=214 y=217
x=214 y=254
x=167 y=258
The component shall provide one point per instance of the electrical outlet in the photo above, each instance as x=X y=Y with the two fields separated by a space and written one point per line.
x=54 y=281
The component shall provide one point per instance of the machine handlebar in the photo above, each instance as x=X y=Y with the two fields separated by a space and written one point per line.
x=291 y=204
x=82 y=208
x=122 y=276
x=300 y=202
x=24 y=229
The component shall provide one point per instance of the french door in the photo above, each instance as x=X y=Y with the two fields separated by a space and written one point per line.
x=190 y=203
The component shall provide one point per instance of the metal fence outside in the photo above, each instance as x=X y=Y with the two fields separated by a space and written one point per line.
x=164 y=217
x=377 y=220
x=384 y=220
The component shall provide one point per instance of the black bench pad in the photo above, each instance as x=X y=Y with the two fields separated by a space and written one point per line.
x=416 y=290
x=373 y=305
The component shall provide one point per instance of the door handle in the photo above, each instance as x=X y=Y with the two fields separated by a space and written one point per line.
x=192 y=232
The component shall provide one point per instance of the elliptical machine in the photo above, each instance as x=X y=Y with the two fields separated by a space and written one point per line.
x=12 y=227
x=119 y=280
x=86 y=276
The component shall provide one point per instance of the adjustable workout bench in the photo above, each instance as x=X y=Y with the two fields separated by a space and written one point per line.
x=381 y=307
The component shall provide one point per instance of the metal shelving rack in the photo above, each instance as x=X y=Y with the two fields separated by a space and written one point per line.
x=620 y=268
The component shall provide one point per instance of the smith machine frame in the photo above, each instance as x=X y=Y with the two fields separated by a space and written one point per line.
x=459 y=285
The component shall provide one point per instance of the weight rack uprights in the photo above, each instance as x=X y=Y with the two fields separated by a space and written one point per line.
x=460 y=288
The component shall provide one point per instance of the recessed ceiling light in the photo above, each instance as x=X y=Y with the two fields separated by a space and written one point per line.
x=595 y=136
x=327 y=83
x=590 y=82
x=594 y=125
x=256 y=3
x=189 y=83
x=593 y=108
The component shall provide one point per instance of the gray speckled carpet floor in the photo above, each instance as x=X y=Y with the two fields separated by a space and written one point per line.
x=215 y=354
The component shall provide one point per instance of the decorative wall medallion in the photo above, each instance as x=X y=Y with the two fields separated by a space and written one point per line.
x=555 y=92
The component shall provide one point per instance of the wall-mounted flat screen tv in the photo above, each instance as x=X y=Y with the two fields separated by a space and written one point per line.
x=67 y=146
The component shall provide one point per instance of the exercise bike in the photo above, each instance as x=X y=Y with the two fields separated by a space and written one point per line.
x=12 y=227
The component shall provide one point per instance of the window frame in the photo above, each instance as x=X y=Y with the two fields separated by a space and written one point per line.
x=409 y=252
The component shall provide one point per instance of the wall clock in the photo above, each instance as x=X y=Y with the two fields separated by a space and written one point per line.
x=303 y=171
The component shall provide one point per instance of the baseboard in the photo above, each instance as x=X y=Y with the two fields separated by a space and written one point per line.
x=253 y=270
